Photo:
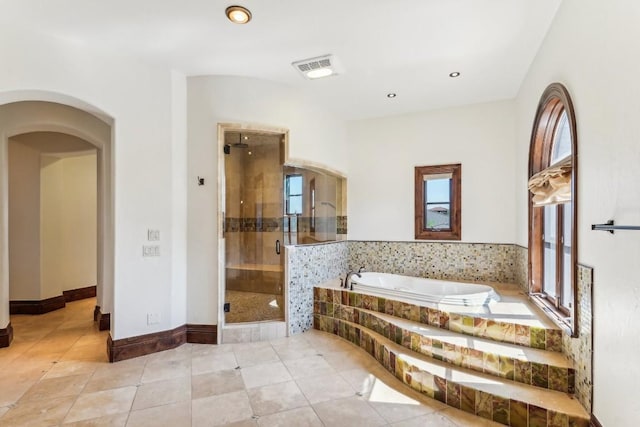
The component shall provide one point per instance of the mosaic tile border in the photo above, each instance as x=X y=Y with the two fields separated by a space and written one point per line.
x=524 y=335
x=496 y=408
x=520 y=370
x=478 y=262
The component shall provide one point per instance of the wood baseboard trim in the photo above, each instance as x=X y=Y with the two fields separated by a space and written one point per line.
x=202 y=334
x=594 y=422
x=96 y=313
x=37 y=307
x=128 y=348
x=6 y=336
x=80 y=293
x=104 y=322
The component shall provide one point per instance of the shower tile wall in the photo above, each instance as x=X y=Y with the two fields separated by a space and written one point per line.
x=308 y=266
x=437 y=260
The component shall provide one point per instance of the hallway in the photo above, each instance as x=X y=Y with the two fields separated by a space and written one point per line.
x=56 y=373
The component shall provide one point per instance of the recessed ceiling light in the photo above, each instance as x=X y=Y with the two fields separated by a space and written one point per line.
x=391 y=95
x=238 y=14
x=454 y=74
x=318 y=67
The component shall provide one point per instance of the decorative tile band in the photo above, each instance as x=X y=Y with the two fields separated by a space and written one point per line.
x=438 y=260
x=493 y=407
x=342 y=224
x=524 y=335
x=300 y=223
x=520 y=370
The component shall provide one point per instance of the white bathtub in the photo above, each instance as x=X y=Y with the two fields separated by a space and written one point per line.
x=427 y=290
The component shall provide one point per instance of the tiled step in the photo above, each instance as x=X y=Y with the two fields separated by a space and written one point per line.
x=326 y=300
x=497 y=399
x=540 y=368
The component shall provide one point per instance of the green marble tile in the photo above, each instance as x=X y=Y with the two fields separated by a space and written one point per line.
x=337 y=296
x=440 y=390
x=369 y=302
x=467 y=325
x=538 y=339
x=415 y=342
x=537 y=416
x=553 y=340
x=434 y=317
x=397 y=308
x=522 y=371
x=316 y=322
x=330 y=309
x=507 y=367
x=578 y=422
x=444 y=320
x=424 y=315
x=316 y=294
x=455 y=322
x=426 y=346
x=518 y=414
x=329 y=295
x=388 y=307
x=571 y=381
x=558 y=379
x=381 y=305
x=501 y=410
x=322 y=295
x=491 y=364
x=437 y=350
x=316 y=307
x=484 y=405
x=480 y=327
x=344 y=296
x=406 y=338
x=556 y=419
x=475 y=360
x=468 y=400
x=453 y=395
x=523 y=337
x=414 y=313
x=540 y=375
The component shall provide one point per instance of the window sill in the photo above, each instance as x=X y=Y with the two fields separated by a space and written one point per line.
x=557 y=317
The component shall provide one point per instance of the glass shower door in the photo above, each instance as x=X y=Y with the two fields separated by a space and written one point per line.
x=254 y=249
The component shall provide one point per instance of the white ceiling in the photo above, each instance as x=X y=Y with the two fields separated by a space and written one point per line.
x=404 y=46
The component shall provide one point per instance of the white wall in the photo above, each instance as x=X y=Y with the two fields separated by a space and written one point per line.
x=314 y=136
x=24 y=222
x=68 y=223
x=139 y=100
x=592 y=48
x=383 y=153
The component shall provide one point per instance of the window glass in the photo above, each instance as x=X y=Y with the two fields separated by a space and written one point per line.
x=293 y=195
x=438 y=202
x=550 y=229
x=561 y=139
x=567 y=289
x=437 y=196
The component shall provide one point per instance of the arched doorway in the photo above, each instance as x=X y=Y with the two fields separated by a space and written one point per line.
x=59 y=114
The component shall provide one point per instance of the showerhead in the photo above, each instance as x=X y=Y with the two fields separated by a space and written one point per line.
x=241 y=142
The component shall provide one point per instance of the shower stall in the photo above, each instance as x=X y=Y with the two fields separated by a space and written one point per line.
x=254 y=252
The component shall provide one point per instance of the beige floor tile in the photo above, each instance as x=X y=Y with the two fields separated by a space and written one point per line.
x=308 y=367
x=213 y=362
x=300 y=417
x=13 y=387
x=72 y=367
x=106 y=379
x=158 y=370
x=261 y=375
x=294 y=351
x=101 y=403
x=162 y=393
x=221 y=409
x=430 y=420
x=116 y=420
x=256 y=356
x=46 y=412
x=214 y=383
x=353 y=411
x=3 y=410
x=56 y=387
x=462 y=418
x=276 y=398
x=325 y=387
x=174 y=415
x=244 y=423
x=198 y=350
x=395 y=405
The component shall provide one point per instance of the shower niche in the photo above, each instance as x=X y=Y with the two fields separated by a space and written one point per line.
x=268 y=205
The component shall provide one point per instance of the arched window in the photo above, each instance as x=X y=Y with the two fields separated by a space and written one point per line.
x=553 y=206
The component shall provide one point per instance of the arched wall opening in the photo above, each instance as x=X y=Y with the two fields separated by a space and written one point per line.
x=27 y=112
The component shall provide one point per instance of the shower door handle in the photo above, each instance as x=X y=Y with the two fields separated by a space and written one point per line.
x=278 y=247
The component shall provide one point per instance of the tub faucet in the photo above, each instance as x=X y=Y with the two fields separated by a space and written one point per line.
x=347 y=284
x=361 y=269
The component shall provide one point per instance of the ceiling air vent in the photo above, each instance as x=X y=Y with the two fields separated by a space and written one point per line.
x=315 y=68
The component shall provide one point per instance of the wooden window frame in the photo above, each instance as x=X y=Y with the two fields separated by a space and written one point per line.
x=554 y=101
x=455 y=232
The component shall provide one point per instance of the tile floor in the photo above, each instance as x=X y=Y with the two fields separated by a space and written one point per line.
x=56 y=373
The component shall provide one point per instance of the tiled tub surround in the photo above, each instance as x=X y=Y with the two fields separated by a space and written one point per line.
x=389 y=337
x=580 y=349
x=521 y=265
x=307 y=266
x=477 y=262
